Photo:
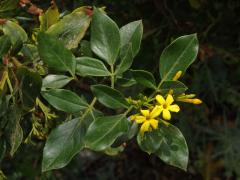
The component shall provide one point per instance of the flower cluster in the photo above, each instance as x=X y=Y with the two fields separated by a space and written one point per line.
x=149 y=118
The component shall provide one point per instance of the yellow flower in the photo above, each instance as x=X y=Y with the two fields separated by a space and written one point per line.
x=177 y=75
x=147 y=119
x=167 y=106
x=193 y=101
x=189 y=98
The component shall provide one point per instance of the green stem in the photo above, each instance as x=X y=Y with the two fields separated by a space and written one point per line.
x=128 y=110
x=9 y=85
x=157 y=90
x=90 y=107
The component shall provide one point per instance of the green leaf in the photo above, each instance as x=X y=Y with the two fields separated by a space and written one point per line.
x=168 y=143
x=30 y=52
x=5 y=44
x=109 y=97
x=85 y=49
x=72 y=28
x=105 y=37
x=55 y=55
x=13 y=129
x=16 y=47
x=178 y=56
x=4 y=102
x=64 y=100
x=65 y=141
x=144 y=78
x=14 y=31
x=126 y=59
x=31 y=83
x=49 y=18
x=56 y=81
x=16 y=138
x=3 y=148
x=104 y=130
x=177 y=87
x=132 y=131
x=8 y=5
x=62 y=144
x=87 y=66
x=132 y=33
x=126 y=79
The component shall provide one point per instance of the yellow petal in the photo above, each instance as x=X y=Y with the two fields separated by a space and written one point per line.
x=174 y=108
x=197 y=101
x=169 y=99
x=145 y=127
x=145 y=112
x=160 y=99
x=133 y=117
x=166 y=114
x=154 y=123
x=140 y=119
x=156 y=112
x=177 y=75
x=193 y=101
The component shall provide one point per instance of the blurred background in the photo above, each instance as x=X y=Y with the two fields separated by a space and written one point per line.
x=212 y=130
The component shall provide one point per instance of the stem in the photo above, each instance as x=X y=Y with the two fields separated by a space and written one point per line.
x=88 y=109
x=159 y=85
x=128 y=110
x=9 y=85
x=112 y=76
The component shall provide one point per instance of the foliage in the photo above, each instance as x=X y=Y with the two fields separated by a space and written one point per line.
x=52 y=101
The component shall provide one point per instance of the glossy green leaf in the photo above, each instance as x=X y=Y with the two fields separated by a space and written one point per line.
x=72 y=27
x=64 y=100
x=105 y=37
x=132 y=33
x=30 y=83
x=55 y=55
x=49 y=18
x=168 y=143
x=65 y=141
x=177 y=87
x=178 y=56
x=62 y=144
x=55 y=81
x=109 y=97
x=14 y=31
x=126 y=82
x=87 y=66
x=132 y=131
x=126 y=59
x=144 y=78
x=126 y=79
x=104 y=130
x=5 y=44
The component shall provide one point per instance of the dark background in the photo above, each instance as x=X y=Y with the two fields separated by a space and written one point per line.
x=212 y=130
